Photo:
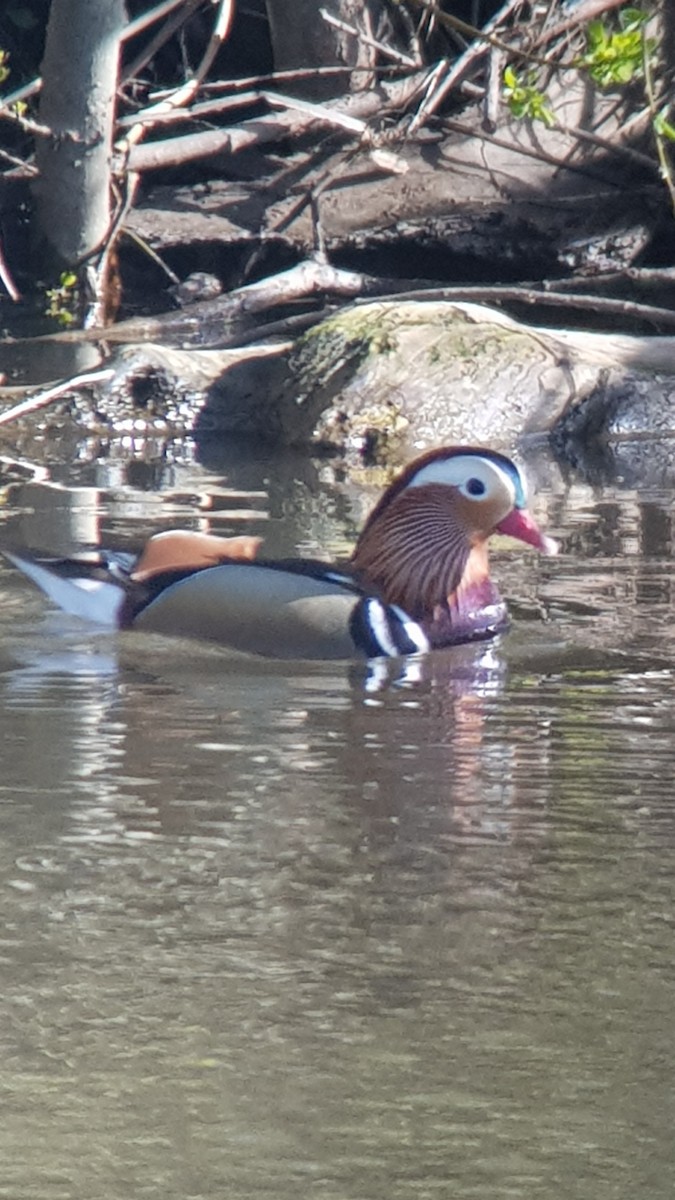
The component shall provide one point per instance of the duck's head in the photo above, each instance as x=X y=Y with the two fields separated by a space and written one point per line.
x=424 y=546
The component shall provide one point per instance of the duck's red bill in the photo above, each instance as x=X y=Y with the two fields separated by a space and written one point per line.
x=519 y=524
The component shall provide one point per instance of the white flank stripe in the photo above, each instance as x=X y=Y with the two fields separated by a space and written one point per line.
x=379 y=624
x=415 y=633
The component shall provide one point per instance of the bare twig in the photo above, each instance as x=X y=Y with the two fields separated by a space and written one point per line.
x=387 y=51
x=318 y=112
x=153 y=255
x=450 y=77
x=6 y=277
x=650 y=276
x=471 y=31
x=25 y=124
x=220 y=34
x=528 y=152
x=662 y=154
x=183 y=95
x=215 y=86
x=532 y=296
x=638 y=277
x=19 y=167
x=139 y=24
x=23 y=93
x=100 y=271
x=270 y=128
x=197 y=112
x=617 y=148
x=493 y=90
x=186 y=9
x=580 y=14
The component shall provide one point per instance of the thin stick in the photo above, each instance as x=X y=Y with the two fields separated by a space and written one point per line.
x=6 y=277
x=470 y=31
x=555 y=159
x=263 y=130
x=531 y=296
x=271 y=78
x=465 y=61
x=664 y=162
x=205 y=108
x=581 y=14
x=152 y=254
x=220 y=34
x=493 y=90
x=149 y=17
x=23 y=93
x=388 y=51
x=21 y=169
x=317 y=111
x=183 y=95
x=160 y=38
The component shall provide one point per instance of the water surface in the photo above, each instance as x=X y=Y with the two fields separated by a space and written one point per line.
x=278 y=930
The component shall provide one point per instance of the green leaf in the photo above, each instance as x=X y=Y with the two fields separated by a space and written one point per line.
x=663 y=128
x=596 y=35
x=633 y=17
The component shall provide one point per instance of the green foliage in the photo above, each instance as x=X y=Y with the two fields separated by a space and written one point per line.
x=525 y=99
x=63 y=299
x=4 y=69
x=663 y=127
x=616 y=57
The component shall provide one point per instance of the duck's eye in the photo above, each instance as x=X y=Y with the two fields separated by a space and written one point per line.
x=475 y=487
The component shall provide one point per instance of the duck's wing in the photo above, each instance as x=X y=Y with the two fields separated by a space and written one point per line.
x=292 y=610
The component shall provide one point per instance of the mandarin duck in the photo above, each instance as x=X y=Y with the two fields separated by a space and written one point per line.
x=418 y=578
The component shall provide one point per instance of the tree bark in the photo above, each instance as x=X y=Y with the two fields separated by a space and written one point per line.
x=79 y=70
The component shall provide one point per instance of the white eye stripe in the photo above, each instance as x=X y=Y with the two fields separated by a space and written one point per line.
x=459 y=469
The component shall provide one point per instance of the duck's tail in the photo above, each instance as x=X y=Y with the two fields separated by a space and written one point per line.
x=86 y=590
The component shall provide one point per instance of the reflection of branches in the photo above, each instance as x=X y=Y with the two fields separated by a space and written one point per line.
x=43 y=398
